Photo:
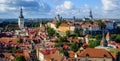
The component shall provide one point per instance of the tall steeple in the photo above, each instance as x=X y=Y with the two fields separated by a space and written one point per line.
x=21 y=19
x=104 y=42
x=21 y=13
x=90 y=15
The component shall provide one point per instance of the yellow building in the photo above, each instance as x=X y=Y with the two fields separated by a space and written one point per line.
x=64 y=27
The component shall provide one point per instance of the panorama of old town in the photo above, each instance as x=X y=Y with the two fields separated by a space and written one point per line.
x=59 y=38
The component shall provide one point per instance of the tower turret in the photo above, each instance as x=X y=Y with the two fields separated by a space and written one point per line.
x=21 y=19
x=104 y=42
x=21 y=13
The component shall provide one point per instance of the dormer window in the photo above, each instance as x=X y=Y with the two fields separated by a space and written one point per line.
x=104 y=57
x=87 y=55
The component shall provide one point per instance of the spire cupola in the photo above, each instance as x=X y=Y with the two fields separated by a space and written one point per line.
x=21 y=13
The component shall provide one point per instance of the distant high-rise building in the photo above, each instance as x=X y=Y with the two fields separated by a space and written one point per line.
x=90 y=15
x=21 y=20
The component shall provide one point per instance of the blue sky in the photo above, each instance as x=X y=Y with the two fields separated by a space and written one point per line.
x=66 y=8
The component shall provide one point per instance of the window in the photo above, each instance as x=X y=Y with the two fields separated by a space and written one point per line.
x=78 y=59
x=87 y=55
x=104 y=57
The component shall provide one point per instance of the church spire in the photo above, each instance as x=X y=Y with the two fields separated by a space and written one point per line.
x=91 y=16
x=104 y=42
x=21 y=13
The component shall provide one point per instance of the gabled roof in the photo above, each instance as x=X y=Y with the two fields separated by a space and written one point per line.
x=47 y=52
x=8 y=40
x=95 y=53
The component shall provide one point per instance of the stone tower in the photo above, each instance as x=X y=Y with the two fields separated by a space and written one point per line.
x=21 y=20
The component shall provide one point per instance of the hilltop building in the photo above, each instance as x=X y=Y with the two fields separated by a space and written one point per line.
x=21 y=19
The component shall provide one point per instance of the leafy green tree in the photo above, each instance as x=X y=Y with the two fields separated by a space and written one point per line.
x=76 y=31
x=98 y=37
x=13 y=50
x=75 y=46
x=51 y=31
x=101 y=24
x=115 y=37
x=93 y=43
x=63 y=39
x=57 y=34
x=118 y=56
x=20 y=40
x=90 y=21
x=65 y=53
x=68 y=33
x=36 y=24
x=81 y=32
x=58 y=24
x=20 y=58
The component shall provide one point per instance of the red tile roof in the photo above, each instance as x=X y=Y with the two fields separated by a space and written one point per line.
x=95 y=53
x=9 y=40
x=46 y=52
x=26 y=54
x=71 y=54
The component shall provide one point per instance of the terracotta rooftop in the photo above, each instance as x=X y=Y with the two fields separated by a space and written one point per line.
x=114 y=55
x=47 y=52
x=9 y=40
x=26 y=54
x=76 y=39
x=95 y=53
x=71 y=54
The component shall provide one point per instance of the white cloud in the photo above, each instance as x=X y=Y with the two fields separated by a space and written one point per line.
x=111 y=4
x=111 y=8
x=67 y=5
x=66 y=9
x=29 y=6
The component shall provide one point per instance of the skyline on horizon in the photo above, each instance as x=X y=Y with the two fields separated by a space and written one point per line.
x=66 y=8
